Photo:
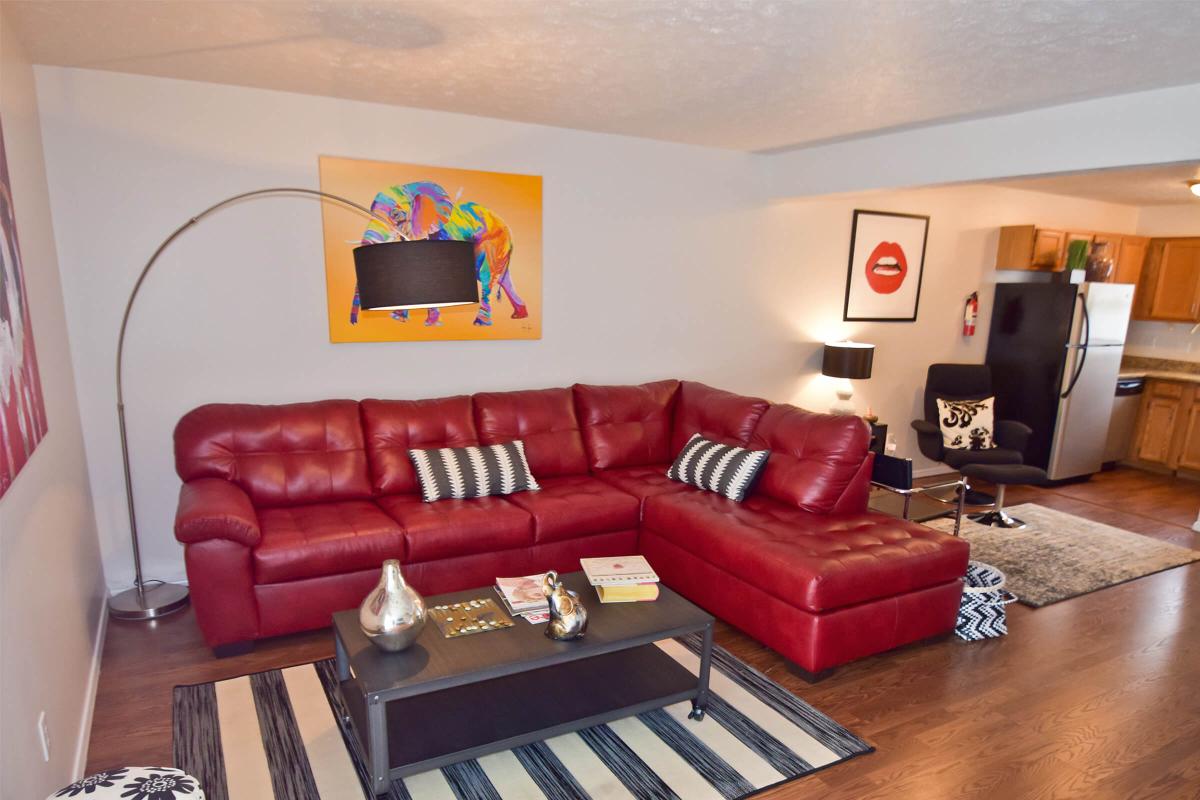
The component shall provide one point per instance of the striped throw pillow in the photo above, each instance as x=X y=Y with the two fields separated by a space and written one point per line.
x=721 y=468
x=463 y=472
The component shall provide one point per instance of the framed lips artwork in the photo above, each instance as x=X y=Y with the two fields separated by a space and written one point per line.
x=887 y=257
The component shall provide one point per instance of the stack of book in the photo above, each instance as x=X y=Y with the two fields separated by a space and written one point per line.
x=523 y=597
x=626 y=579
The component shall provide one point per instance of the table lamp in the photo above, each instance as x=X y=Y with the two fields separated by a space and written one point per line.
x=849 y=361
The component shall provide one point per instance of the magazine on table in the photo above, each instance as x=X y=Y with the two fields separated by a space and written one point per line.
x=523 y=596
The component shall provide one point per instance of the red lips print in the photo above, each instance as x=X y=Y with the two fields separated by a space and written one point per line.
x=886 y=267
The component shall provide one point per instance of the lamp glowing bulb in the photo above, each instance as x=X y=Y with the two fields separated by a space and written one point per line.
x=1195 y=187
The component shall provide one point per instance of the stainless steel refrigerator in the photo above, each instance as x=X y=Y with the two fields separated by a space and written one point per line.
x=1055 y=351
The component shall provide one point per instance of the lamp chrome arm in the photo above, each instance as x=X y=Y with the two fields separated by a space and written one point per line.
x=142 y=602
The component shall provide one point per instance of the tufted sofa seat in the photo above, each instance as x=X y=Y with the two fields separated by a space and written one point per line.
x=286 y=513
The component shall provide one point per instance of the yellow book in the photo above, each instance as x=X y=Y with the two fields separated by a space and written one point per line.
x=628 y=593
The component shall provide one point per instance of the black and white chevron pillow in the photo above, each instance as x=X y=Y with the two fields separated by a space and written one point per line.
x=462 y=472
x=721 y=468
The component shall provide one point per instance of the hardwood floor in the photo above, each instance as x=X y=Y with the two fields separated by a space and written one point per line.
x=1095 y=697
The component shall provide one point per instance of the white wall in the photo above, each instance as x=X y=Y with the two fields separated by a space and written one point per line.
x=648 y=250
x=51 y=585
x=661 y=260
x=1142 y=128
x=806 y=286
x=1173 y=340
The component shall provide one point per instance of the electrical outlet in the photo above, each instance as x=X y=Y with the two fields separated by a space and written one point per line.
x=43 y=729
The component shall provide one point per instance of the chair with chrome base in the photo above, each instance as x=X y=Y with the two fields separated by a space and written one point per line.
x=1002 y=465
x=1002 y=475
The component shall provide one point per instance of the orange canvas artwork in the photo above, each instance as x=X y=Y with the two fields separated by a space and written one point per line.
x=500 y=213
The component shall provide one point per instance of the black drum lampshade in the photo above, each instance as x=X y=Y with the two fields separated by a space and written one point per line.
x=426 y=273
x=848 y=359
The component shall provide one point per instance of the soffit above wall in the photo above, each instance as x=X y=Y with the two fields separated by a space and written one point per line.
x=1157 y=185
x=743 y=74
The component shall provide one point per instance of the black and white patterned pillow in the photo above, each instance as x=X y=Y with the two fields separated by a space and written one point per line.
x=967 y=424
x=714 y=467
x=462 y=472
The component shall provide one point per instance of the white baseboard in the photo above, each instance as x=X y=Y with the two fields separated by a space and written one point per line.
x=85 y=726
x=937 y=469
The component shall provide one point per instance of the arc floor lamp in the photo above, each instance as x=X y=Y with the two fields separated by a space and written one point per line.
x=391 y=275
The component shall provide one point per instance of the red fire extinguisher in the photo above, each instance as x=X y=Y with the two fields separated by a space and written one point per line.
x=970 y=312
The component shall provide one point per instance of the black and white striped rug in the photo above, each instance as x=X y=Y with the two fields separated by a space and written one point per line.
x=277 y=735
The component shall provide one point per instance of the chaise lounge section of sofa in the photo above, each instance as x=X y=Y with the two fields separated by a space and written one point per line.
x=286 y=513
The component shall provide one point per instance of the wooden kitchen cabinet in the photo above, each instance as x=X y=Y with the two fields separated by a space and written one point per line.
x=1167 y=434
x=1028 y=247
x=1129 y=253
x=1157 y=419
x=1189 y=446
x=1169 y=288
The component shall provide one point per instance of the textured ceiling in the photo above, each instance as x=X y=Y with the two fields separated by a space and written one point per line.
x=743 y=74
x=1159 y=185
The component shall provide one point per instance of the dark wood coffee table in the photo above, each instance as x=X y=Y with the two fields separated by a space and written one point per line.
x=447 y=700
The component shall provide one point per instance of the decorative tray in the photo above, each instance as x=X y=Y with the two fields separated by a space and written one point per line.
x=468 y=617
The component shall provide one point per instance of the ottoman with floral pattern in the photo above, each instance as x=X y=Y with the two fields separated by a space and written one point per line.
x=135 y=783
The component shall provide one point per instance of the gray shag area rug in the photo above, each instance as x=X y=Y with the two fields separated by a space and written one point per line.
x=1058 y=556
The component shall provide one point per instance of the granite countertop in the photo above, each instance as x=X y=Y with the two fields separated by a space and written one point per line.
x=1161 y=368
x=1162 y=375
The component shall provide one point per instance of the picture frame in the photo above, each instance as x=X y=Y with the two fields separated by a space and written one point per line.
x=885 y=246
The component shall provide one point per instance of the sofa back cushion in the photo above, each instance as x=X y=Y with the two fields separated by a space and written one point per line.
x=279 y=455
x=393 y=427
x=544 y=419
x=814 y=457
x=715 y=414
x=626 y=426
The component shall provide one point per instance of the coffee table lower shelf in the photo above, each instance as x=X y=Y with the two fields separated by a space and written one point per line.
x=431 y=730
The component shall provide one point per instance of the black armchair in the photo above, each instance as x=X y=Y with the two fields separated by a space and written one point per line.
x=966 y=382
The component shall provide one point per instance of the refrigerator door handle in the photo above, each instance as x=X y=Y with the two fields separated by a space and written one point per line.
x=1083 y=348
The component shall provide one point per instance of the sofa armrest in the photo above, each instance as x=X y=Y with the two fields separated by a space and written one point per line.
x=214 y=508
x=929 y=439
x=1012 y=435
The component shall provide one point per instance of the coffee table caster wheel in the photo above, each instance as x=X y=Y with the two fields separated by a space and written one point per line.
x=696 y=714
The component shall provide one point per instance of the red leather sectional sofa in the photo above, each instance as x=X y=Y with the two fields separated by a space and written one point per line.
x=288 y=511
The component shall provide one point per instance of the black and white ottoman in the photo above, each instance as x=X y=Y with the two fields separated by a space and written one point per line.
x=135 y=783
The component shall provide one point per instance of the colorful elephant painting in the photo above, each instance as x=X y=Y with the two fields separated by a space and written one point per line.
x=424 y=210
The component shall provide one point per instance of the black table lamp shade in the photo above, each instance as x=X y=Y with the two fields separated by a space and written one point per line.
x=848 y=360
x=421 y=274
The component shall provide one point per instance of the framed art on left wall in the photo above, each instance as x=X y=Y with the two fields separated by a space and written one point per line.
x=22 y=407
x=887 y=259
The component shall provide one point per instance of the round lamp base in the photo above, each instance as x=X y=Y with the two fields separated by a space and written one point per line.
x=157 y=600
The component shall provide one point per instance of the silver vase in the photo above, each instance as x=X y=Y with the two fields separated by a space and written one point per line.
x=393 y=614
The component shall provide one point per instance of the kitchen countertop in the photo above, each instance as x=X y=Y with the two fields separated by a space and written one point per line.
x=1163 y=375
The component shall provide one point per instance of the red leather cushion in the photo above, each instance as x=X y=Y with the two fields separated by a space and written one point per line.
x=814 y=457
x=450 y=528
x=626 y=426
x=544 y=419
x=326 y=539
x=571 y=506
x=278 y=455
x=642 y=482
x=813 y=561
x=394 y=426
x=715 y=414
x=814 y=641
